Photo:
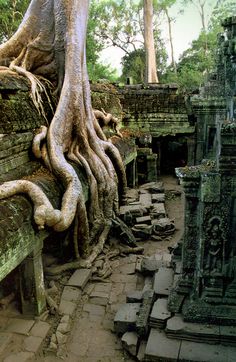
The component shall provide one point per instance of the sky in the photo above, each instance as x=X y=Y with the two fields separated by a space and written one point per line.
x=185 y=29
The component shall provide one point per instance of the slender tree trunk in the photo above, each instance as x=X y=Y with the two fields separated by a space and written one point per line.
x=151 y=69
x=171 y=40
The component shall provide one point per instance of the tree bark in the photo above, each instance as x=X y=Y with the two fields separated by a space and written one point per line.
x=50 y=42
x=151 y=69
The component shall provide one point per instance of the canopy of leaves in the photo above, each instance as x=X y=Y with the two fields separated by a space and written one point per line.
x=11 y=14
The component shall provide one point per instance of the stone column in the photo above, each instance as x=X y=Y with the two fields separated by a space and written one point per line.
x=32 y=290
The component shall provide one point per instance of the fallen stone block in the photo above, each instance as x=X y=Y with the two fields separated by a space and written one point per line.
x=144 y=311
x=130 y=342
x=134 y=297
x=162 y=224
x=157 y=198
x=126 y=317
x=158 y=211
x=151 y=264
x=144 y=220
x=145 y=200
x=80 y=278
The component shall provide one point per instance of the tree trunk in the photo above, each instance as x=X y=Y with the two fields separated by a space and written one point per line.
x=50 y=42
x=151 y=70
x=171 y=40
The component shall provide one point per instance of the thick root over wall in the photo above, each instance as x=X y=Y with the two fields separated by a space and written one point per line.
x=50 y=42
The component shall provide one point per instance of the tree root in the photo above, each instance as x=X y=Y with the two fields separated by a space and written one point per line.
x=4 y=302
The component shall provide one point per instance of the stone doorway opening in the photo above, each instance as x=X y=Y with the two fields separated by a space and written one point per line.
x=172 y=152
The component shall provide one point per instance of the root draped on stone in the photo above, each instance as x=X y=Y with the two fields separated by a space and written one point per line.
x=50 y=42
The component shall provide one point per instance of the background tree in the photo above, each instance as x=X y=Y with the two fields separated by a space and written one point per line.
x=11 y=14
x=151 y=68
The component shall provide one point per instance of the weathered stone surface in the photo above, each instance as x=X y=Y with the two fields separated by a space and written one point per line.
x=151 y=264
x=143 y=220
x=20 y=326
x=134 y=297
x=163 y=281
x=5 y=339
x=80 y=278
x=33 y=344
x=145 y=200
x=71 y=294
x=177 y=328
x=159 y=347
x=67 y=307
x=159 y=313
x=126 y=317
x=158 y=210
x=40 y=329
x=94 y=309
x=158 y=198
x=99 y=298
x=130 y=342
x=205 y=352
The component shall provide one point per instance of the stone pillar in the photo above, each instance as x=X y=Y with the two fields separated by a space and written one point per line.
x=152 y=167
x=191 y=151
x=32 y=290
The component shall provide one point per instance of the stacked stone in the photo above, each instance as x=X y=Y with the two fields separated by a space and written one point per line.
x=145 y=212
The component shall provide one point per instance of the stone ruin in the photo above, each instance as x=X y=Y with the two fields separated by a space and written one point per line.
x=187 y=308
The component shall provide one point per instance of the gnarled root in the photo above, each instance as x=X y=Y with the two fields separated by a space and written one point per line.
x=44 y=213
x=106 y=119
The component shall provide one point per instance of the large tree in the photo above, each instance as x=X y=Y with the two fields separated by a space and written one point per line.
x=50 y=42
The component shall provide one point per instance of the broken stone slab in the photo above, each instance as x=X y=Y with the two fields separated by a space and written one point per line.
x=20 y=326
x=157 y=211
x=163 y=280
x=145 y=200
x=160 y=313
x=157 y=198
x=144 y=220
x=99 y=298
x=71 y=294
x=177 y=328
x=161 y=348
x=141 y=350
x=148 y=284
x=80 y=278
x=135 y=210
x=126 y=317
x=33 y=344
x=130 y=342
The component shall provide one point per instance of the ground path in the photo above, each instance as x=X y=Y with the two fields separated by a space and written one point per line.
x=91 y=338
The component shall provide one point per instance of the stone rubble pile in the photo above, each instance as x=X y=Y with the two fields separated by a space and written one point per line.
x=150 y=332
x=145 y=212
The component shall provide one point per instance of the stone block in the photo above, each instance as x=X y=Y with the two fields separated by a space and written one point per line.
x=134 y=297
x=20 y=326
x=141 y=350
x=71 y=294
x=33 y=344
x=130 y=342
x=161 y=348
x=158 y=198
x=99 y=298
x=177 y=328
x=80 y=278
x=125 y=318
x=158 y=211
x=144 y=220
x=40 y=329
x=160 y=313
x=163 y=281
x=151 y=264
x=66 y=307
x=145 y=200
